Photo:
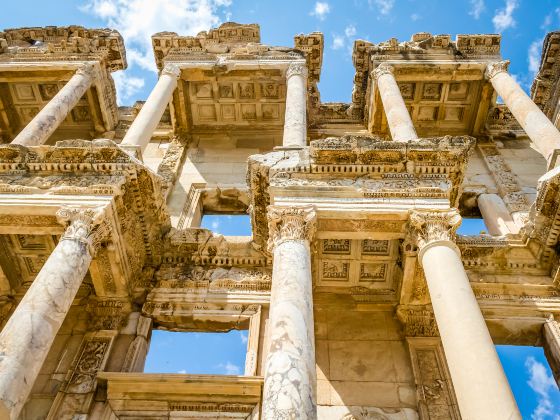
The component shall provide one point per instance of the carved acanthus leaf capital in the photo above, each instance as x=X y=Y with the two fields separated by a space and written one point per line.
x=172 y=70
x=87 y=70
x=296 y=69
x=86 y=225
x=290 y=224
x=496 y=67
x=382 y=69
x=431 y=227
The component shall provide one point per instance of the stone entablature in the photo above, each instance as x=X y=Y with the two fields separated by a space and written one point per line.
x=64 y=43
x=545 y=90
x=47 y=177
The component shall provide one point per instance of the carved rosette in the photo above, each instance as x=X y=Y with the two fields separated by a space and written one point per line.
x=172 y=70
x=382 y=69
x=296 y=69
x=496 y=67
x=86 y=225
x=433 y=227
x=290 y=224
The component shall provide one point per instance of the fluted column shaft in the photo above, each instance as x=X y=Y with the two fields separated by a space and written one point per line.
x=143 y=126
x=29 y=333
x=295 y=119
x=45 y=123
x=289 y=373
x=535 y=123
x=481 y=386
x=398 y=118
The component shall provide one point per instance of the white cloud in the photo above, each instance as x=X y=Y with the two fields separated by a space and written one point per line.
x=543 y=385
x=477 y=7
x=534 y=56
x=503 y=19
x=415 y=16
x=183 y=371
x=215 y=225
x=138 y=20
x=547 y=21
x=338 y=42
x=350 y=31
x=321 y=10
x=127 y=86
x=229 y=368
x=244 y=337
x=384 y=6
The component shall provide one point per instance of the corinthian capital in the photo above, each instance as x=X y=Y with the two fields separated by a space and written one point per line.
x=86 y=69
x=431 y=227
x=296 y=69
x=382 y=69
x=496 y=67
x=86 y=225
x=171 y=70
x=290 y=224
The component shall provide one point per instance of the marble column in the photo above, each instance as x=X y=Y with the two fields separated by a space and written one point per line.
x=551 y=345
x=481 y=386
x=295 y=119
x=143 y=126
x=496 y=216
x=289 y=372
x=398 y=118
x=535 y=123
x=45 y=123
x=29 y=333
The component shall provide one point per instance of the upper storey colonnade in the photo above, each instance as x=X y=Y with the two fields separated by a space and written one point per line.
x=290 y=365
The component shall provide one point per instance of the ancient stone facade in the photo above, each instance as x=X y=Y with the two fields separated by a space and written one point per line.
x=361 y=299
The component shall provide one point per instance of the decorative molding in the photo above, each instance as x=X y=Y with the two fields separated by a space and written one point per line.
x=290 y=224
x=64 y=43
x=492 y=69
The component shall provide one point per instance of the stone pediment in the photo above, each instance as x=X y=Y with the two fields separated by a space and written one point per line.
x=64 y=43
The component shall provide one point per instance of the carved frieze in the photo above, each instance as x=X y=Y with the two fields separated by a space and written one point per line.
x=62 y=43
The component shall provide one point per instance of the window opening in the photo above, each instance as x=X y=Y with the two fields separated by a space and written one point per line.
x=227 y=224
x=216 y=353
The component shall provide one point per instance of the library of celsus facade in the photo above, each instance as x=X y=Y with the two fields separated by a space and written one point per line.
x=360 y=299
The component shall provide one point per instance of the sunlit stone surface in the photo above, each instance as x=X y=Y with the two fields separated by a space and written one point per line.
x=357 y=297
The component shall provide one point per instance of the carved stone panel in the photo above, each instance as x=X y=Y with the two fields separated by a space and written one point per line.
x=436 y=397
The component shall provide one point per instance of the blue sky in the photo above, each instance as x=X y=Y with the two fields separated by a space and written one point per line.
x=522 y=23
